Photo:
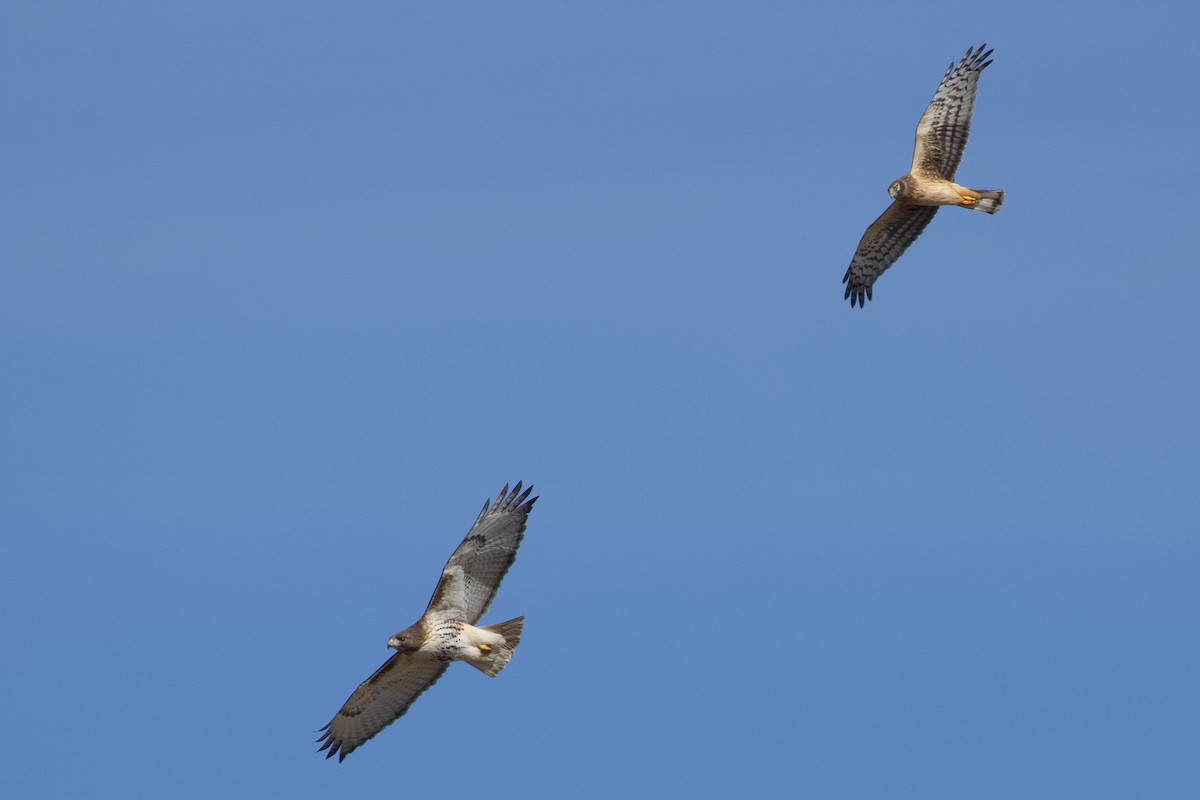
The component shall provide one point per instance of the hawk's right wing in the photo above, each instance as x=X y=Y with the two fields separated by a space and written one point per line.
x=883 y=243
x=379 y=701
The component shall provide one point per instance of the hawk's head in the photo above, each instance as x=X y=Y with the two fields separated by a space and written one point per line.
x=408 y=640
x=899 y=188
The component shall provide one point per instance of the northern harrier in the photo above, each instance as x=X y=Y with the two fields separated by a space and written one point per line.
x=446 y=632
x=941 y=139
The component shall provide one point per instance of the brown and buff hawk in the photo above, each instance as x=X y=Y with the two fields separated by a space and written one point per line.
x=446 y=631
x=941 y=139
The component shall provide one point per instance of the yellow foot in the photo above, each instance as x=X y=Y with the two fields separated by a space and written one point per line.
x=970 y=200
x=487 y=648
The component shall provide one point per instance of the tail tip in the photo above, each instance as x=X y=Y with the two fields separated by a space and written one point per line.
x=990 y=202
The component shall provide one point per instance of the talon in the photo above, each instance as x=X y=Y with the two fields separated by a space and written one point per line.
x=487 y=648
x=970 y=200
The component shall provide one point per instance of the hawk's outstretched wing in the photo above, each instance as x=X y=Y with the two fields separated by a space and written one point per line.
x=473 y=574
x=883 y=243
x=378 y=702
x=944 y=127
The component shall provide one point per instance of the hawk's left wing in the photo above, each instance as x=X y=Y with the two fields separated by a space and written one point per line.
x=944 y=127
x=883 y=243
x=473 y=574
x=378 y=702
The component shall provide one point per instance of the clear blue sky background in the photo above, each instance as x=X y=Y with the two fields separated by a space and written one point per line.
x=288 y=289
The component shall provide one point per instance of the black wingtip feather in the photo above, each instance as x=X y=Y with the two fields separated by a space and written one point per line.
x=514 y=499
x=976 y=59
x=857 y=295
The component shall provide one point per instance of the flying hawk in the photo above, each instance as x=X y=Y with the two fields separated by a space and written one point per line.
x=941 y=139
x=446 y=631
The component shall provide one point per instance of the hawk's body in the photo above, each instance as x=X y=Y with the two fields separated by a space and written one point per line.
x=446 y=631
x=941 y=138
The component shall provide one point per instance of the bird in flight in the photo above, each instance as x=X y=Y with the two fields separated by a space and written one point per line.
x=446 y=631
x=941 y=138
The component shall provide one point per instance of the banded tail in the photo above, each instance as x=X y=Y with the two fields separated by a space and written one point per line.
x=989 y=201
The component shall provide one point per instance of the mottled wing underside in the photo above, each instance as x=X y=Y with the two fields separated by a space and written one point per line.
x=883 y=243
x=378 y=702
x=472 y=575
x=944 y=127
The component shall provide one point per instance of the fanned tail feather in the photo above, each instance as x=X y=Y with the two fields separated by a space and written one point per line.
x=499 y=657
x=989 y=201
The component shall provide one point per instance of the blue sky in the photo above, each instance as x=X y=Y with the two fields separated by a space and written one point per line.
x=288 y=289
